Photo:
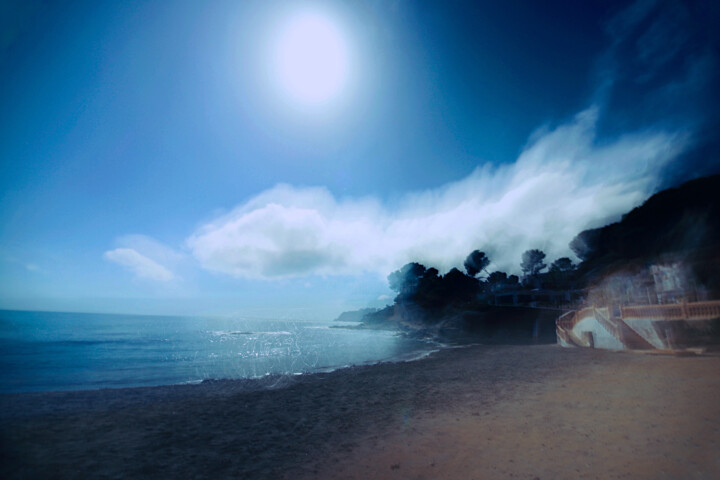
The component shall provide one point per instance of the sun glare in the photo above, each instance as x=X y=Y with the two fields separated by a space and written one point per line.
x=311 y=59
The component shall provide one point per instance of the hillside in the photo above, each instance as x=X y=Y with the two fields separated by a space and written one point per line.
x=676 y=225
x=677 y=229
x=679 y=219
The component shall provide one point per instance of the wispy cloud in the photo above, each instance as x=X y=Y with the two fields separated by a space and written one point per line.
x=627 y=20
x=151 y=248
x=659 y=43
x=563 y=181
x=28 y=266
x=140 y=265
x=662 y=66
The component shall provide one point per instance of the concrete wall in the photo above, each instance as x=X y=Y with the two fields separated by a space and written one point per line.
x=646 y=329
x=601 y=337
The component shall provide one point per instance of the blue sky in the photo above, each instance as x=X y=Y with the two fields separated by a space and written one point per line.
x=153 y=164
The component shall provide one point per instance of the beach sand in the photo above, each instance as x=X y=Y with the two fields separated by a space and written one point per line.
x=475 y=412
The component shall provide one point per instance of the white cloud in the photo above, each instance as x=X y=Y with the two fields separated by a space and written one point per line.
x=563 y=182
x=139 y=264
x=151 y=248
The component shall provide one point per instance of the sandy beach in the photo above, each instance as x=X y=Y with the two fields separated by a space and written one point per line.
x=534 y=412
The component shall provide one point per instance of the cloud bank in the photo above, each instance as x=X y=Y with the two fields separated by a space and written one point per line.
x=563 y=182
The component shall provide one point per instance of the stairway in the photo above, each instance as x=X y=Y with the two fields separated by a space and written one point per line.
x=622 y=331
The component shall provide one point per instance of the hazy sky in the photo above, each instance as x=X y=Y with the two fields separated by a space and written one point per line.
x=281 y=158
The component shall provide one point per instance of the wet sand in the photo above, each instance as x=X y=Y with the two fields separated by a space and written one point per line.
x=476 y=412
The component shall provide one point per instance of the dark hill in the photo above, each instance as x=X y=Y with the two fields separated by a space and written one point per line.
x=680 y=223
x=679 y=219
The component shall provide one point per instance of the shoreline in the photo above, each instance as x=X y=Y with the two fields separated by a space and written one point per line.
x=33 y=403
x=191 y=354
x=360 y=421
x=412 y=356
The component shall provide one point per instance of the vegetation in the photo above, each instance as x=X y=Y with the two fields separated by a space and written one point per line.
x=674 y=224
x=426 y=289
x=476 y=262
x=674 y=220
x=532 y=263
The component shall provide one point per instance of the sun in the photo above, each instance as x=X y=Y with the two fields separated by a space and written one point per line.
x=311 y=59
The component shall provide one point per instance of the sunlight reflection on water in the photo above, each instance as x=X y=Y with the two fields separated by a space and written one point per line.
x=60 y=351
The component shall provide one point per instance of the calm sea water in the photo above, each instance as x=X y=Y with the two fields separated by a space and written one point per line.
x=44 y=351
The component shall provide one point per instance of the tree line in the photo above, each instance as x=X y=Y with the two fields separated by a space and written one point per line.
x=428 y=289
x=675 y=225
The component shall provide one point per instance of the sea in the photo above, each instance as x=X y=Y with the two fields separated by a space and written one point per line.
x=50 y=351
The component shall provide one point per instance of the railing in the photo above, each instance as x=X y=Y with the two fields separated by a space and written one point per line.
x=602 y=315
x=603 y=312
x=703 y=310
x=565 y=324
x=617 y=326
x=658 y=312
x=680 y=311
x=588 y=312
x=566 y=320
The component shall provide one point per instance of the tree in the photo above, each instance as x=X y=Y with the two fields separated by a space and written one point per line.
x=458 y=287
x=476 y=262
x=562 y=264
x=431 y=272
x=406 y=280
x=497 y=278
x=532 y=262
x=586 y=243
x=562 y=273
x=429 y=294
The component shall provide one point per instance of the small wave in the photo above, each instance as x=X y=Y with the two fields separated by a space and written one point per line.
x=89 y=343
x=192 y=382
x=243 y=332
x=411 y=357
